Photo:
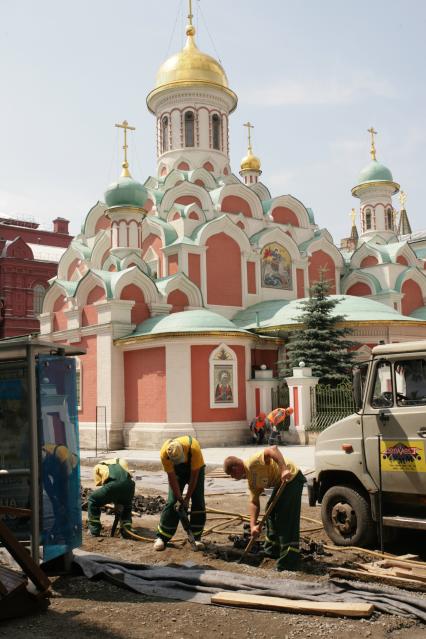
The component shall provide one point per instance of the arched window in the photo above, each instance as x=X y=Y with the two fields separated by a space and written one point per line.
x=389 y=220
x=39 y=291
x=189 y=128
x=216 y=131
x=165 y=134
x=368 y=220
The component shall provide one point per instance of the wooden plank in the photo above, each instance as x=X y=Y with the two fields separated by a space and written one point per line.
x=23 y=558
x=409 y=574
x=361 y=575
x=405 y=565
x=333 y=608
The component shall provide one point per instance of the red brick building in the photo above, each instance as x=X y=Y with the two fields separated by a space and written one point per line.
x=29 y=257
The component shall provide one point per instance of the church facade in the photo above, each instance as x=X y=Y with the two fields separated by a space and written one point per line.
x=183 y=288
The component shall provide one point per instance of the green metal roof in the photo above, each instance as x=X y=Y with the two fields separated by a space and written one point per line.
x=197 y=321
x=126 y=192
x=170 y=234
x=354 y=308
x=258 y=314
x=419 y=313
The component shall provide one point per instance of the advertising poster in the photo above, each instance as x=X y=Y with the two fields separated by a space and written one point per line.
x=403 y=456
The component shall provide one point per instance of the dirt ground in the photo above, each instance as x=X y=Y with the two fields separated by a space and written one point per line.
x=83 y=608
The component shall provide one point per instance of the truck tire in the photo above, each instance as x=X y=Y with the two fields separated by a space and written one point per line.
x=347 y=517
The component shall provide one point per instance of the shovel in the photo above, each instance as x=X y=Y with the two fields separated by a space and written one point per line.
x=262 y=521
x=184 y=520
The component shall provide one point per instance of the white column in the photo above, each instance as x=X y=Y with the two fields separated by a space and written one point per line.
x=110 y=389
x=300 y=400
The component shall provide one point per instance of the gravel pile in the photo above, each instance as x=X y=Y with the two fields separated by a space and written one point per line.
x=141 y=505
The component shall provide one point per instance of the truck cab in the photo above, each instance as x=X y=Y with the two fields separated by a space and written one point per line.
x=371 y=465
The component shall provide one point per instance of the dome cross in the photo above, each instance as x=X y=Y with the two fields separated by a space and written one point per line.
x=373 y=148
x=249 y=126
x=126 y=127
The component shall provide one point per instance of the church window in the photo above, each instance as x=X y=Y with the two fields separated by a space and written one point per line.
x=223 y=378
x=389 y=220
x=276 y=267
x=216 y=131
x=189 y=128
x=368 y=219
x=39 y=291
x=78 y=382
x=165 y=134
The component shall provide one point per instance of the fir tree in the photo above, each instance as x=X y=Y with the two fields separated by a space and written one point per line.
x=320 y=343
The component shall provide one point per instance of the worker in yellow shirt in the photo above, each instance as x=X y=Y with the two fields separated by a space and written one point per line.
x=269 y=469
x=183 y=462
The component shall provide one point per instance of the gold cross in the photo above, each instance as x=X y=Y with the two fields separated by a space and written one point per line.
x=353 y=216
x=249 y=126
x=126 y=126
x=402 y=199
x=190 y=14
x=373 y=148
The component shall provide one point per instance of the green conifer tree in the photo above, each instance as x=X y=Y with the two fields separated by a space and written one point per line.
x=320 y=343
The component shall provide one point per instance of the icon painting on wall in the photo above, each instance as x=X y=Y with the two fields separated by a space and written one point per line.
x=223 y=380
x=276 y=267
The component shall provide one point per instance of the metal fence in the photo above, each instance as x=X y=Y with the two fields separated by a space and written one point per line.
x=280 y=396
x=329 y=404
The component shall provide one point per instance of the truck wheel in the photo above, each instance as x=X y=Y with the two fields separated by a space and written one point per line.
x=347 y=518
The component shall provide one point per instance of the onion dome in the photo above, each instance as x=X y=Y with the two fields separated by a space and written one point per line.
x=375 y=172
x=126 y=191
x=250 y=162
x=191 y=67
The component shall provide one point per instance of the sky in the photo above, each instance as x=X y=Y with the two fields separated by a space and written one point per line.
x=312 y=76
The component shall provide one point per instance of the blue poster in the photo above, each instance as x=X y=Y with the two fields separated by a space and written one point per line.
x=60 y=456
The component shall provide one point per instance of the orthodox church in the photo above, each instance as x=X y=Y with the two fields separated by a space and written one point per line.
x=182 y=289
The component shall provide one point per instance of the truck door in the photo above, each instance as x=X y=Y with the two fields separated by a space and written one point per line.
x=395 y=408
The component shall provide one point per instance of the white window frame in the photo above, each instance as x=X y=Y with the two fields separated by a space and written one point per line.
x=223 y=357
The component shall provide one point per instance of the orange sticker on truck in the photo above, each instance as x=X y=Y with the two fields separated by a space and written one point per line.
x=405 y=456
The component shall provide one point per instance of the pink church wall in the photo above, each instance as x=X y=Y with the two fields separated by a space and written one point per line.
x=140 y=310
x=60 y=322
x=402 y=260
x=145 y=384
x=90 y=312
x=223 y=260
x=183 y=166
x=155 y=242
x=300 y=282
x=283 y=215
x=200 y=380
x=102 y=224
x=412 y=297
x=370 y=260
x=72 y=268
x=88 y=370
x=148 y=205
x=208 y=166
x=188 y=199
x=320 y=263
x=235 y=204
x=179 y=301
x=360 y=289
x=173 y=264
x=194 y=269
x=251 y=277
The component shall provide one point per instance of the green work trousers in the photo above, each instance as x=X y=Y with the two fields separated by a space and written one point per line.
x=283 y=526
x=119 y=489
x=169 y=519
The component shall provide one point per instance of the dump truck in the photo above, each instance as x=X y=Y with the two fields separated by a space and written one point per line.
x=370 y=467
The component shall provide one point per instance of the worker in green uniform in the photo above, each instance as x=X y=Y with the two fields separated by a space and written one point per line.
x=269 y=469
x=116 y=486
x=183 y=462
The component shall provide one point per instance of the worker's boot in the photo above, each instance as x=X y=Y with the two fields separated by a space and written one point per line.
x=159 y=544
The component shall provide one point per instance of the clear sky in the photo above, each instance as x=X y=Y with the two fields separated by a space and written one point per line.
x=311 y=75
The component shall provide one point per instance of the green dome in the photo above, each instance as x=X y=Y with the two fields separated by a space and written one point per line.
x=126 y=192
x=375 y=172
x=197 y=321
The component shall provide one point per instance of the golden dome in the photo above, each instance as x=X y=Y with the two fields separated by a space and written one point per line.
x=191 y=66
x=250 y=162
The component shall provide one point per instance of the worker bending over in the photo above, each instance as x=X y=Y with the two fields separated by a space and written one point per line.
x=116 y=486
x=183 y=462
x=260 y=428
x=269 y=469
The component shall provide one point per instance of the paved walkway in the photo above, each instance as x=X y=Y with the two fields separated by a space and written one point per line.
x=303 y=456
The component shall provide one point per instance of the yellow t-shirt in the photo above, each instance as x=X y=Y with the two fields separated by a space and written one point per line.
x=101 y=471
x=261 y=475
x=197 y=460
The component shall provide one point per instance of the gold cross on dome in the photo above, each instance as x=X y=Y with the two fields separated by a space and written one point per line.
x=402 y=199
x=353 y=216
x=249 y=126
x=126 y=127
x=190 y=14
x=373 y=148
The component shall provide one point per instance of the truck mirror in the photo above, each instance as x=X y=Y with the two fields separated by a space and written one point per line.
x=357 y=388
